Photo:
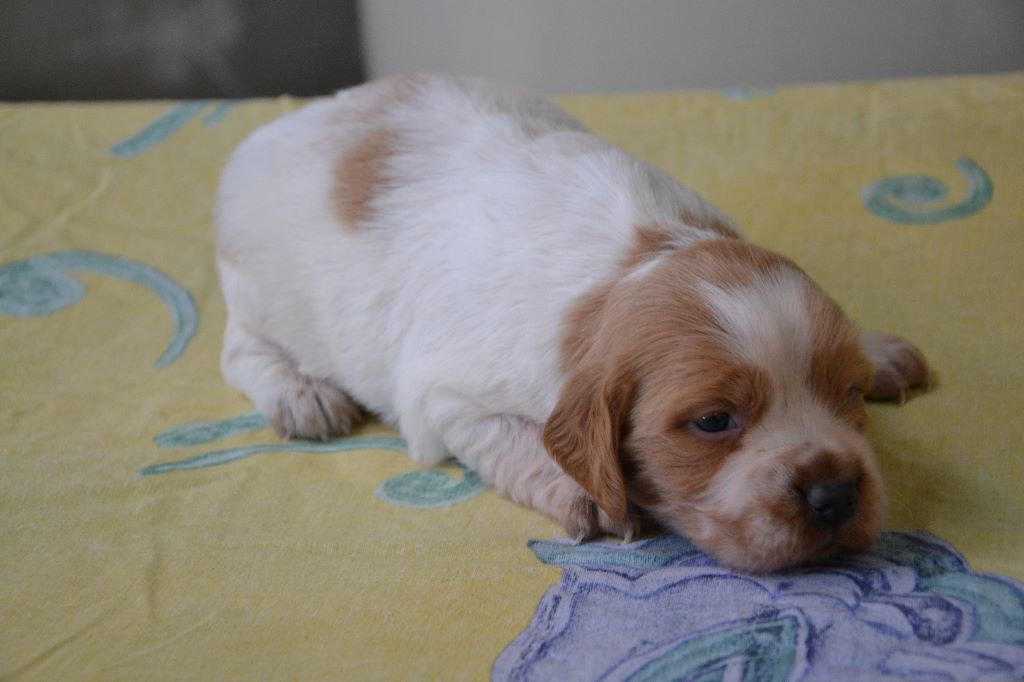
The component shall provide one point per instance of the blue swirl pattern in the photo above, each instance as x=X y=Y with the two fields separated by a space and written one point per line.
x=40 y=286
x=913 y=199
x=218 y=114
x=200 y=433
x=430 y=489
x=218 y=457
x=168 y=123
x=413 y=489
x=159 y=130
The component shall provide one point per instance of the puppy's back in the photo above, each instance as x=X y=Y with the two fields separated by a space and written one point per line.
x=424 y=229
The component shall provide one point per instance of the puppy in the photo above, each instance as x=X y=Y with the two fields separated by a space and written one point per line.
x=471 y=265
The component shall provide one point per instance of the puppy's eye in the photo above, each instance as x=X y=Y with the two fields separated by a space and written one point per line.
x=716 y=422
x=853 y=393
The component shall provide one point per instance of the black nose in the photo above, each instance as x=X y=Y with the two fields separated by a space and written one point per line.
x=831 y=503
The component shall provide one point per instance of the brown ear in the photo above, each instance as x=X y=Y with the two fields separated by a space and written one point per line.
x=582 y=434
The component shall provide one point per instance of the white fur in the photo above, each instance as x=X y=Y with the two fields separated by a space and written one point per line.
x=766 y=322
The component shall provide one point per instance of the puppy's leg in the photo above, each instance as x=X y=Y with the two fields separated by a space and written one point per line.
x=297 y=406
x=899 y=366
x=508 y=452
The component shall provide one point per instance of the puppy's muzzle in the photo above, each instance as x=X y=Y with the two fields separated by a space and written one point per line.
x=831 y=503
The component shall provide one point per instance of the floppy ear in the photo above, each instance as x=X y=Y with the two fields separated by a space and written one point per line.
x=583 y=431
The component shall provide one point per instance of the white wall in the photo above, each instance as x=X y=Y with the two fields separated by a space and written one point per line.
x=591 y=45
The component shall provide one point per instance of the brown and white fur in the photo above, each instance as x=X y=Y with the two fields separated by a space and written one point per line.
x=471 y=265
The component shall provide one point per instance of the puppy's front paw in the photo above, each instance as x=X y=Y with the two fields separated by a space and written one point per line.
x=585 y=520
x=312 y=409
x=899 y=366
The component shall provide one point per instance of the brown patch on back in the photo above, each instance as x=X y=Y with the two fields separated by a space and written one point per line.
x=361 y=173
x=360 y=176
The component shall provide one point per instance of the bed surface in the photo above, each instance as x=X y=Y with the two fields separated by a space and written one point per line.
x=152 y=526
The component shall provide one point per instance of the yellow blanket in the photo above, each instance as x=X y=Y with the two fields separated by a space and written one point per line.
x=152 y=527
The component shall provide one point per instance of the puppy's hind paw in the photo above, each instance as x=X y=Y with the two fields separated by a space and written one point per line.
x=313 y=409
x=899 y=367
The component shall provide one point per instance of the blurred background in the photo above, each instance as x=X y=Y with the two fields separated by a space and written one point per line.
x=117 y=49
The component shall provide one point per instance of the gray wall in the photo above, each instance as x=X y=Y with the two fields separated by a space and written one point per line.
x=585 y=45
x=111 y=49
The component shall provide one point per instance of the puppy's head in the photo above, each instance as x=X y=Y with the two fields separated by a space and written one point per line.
x=720 y=390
